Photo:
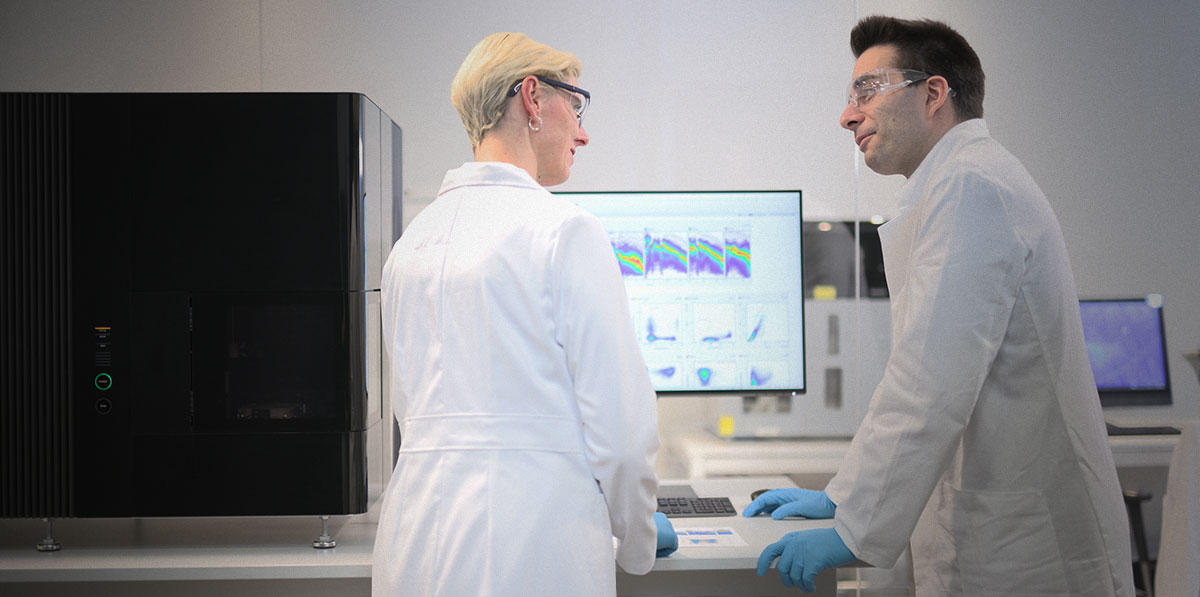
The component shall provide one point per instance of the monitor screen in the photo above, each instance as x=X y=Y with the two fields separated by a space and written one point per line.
x=715 y=285
x=1127 y=350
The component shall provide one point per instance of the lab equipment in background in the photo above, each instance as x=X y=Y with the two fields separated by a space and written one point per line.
x=193 y=320
x=1193 y=359
x=848 y=341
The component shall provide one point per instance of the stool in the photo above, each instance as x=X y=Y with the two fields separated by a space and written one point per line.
x=1133 y=505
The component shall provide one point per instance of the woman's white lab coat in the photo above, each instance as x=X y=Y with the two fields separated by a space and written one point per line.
x=528 y=421
x=986 y=424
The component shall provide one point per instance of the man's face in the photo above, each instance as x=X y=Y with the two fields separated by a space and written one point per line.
x=890 y=128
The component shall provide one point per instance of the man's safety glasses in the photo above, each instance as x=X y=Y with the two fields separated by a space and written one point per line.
x=880 y=82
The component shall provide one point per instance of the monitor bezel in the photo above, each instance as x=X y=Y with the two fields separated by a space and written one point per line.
x=1116 y=397
x=803 y=340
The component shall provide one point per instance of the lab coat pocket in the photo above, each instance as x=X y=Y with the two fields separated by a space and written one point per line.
x=1006 y=543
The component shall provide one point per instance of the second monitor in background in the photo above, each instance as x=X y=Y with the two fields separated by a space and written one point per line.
x=1127 y=348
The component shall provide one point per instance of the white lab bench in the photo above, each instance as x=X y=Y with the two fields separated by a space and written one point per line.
x=1142 y=463
x=273 y=556
x=703 y=455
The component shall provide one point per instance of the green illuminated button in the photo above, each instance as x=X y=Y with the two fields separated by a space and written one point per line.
x=103 y=381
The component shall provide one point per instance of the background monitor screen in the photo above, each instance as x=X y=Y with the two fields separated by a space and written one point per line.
x=715 y=284
x=1127 y=350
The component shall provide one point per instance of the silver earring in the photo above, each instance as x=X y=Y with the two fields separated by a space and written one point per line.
x=535 y=128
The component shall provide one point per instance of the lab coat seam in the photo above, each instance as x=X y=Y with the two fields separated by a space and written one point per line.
x=1074 y=438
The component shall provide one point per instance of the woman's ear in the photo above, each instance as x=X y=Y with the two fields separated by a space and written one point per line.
x=532 y=104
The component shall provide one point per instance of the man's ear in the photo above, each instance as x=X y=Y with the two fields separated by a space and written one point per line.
x=937 y=94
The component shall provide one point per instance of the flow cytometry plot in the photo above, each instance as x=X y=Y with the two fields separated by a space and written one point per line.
x=706 y=254
x=660 y=323
x=769 y=373
x=737 y=253
x=630 y=249
x=766 y=322
x=666 y=254
x=665 y=375
x=720 y=374
x=712 y=323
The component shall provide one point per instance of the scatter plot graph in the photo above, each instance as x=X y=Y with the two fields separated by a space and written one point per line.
x=737 y=253
x=665 y=375
x=706 y=254
x=720 y=374
x=712 y=322
x=766 y=322
x=660 y=323
x=630 y=249
x=666 y=254
x=758 y=326
x=767 y=374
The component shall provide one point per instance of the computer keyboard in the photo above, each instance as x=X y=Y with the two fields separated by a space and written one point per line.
x=683 y=507
x=1141 y=430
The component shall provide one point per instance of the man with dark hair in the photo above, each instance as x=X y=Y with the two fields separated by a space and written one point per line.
x=984 y=444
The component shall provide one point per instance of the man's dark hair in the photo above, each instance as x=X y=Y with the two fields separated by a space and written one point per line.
x=931 y=47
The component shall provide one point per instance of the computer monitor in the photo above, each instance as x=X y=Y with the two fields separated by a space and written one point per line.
x=715 y=283
x=1127 y=348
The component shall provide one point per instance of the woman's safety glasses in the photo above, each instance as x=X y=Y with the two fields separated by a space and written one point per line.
x=580 y=98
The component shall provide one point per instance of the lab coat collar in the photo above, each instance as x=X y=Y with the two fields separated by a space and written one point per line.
x=488 y=174
x=896 y=236
x=955 y=138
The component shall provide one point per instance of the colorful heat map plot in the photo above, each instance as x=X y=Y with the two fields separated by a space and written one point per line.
x=630 y=250
x=759 y=378
x=706 y=255
x=737 y=253
x=666 y=255
x=674 y=254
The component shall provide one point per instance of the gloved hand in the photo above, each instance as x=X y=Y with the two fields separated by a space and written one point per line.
x=782 y=503
x=668 y=542
x=803 y=554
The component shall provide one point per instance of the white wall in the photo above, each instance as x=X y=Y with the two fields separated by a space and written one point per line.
x=1097 y=97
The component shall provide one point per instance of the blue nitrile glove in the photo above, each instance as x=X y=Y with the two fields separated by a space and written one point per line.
x=803 y=554
x=782 y=503
x=667 y=541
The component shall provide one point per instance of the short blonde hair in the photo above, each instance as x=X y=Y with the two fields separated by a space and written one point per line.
x=495 y=64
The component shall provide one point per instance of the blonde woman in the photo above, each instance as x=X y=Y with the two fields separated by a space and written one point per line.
x=528 y=422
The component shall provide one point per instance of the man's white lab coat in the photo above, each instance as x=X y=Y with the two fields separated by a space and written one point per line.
x=528 y=420
x=986 y=424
